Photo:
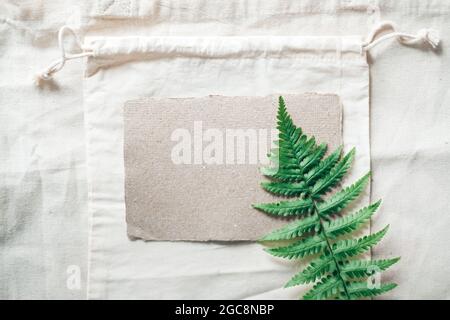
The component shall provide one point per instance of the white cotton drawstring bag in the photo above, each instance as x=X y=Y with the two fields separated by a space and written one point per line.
x=122 y=69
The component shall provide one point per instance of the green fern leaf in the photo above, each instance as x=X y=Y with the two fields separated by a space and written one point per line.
x=313 y=271
x=286 y=208
x=292 y=147
x=324 y=289
x=285 y=189
x=334 y=176
x=341 y=199
x=323 y=168
x=283 y=161
x=349 y=248
x=285 y=124
x=293 y=230
x=361 y=289
x=314 y=158
x=283 y=174
x=300 y=170
x=351 y=222
x=292 y=142
x=295 y=152
x=302 y=151
x=361 y=268
x=299 y=249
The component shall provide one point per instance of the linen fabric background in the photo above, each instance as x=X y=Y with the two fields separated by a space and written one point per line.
x=44 y=223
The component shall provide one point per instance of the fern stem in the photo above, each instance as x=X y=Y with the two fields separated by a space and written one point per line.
x=324 y=234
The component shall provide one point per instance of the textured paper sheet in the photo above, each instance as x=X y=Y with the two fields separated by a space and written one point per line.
x=192 y=165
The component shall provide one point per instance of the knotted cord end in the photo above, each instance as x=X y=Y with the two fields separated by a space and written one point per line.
x=429 y=36
x=426 y=36
x=47 y=74
x=39 y=78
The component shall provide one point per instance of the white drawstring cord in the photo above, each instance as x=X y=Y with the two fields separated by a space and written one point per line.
x=423 y=36
x=47 y=73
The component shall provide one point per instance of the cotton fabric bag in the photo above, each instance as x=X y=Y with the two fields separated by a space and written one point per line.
x=128 y=68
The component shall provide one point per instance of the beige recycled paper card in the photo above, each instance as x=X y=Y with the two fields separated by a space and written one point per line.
x=192 y=165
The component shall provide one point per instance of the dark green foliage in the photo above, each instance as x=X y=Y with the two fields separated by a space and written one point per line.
x=301 y=170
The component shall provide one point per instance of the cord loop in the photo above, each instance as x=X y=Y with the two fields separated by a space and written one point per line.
x=57 y=65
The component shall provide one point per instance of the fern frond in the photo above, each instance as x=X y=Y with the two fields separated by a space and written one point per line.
x=293 y=230
x=351 y=222
x=285 y=189
x=334 y=176
x=362 y=268
x=361 y=289
x=299 y=249
x=341 y=199
x=300 y=170
x=324 y=289
x=286 y=208
x=317 y=268
x=350 y=248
